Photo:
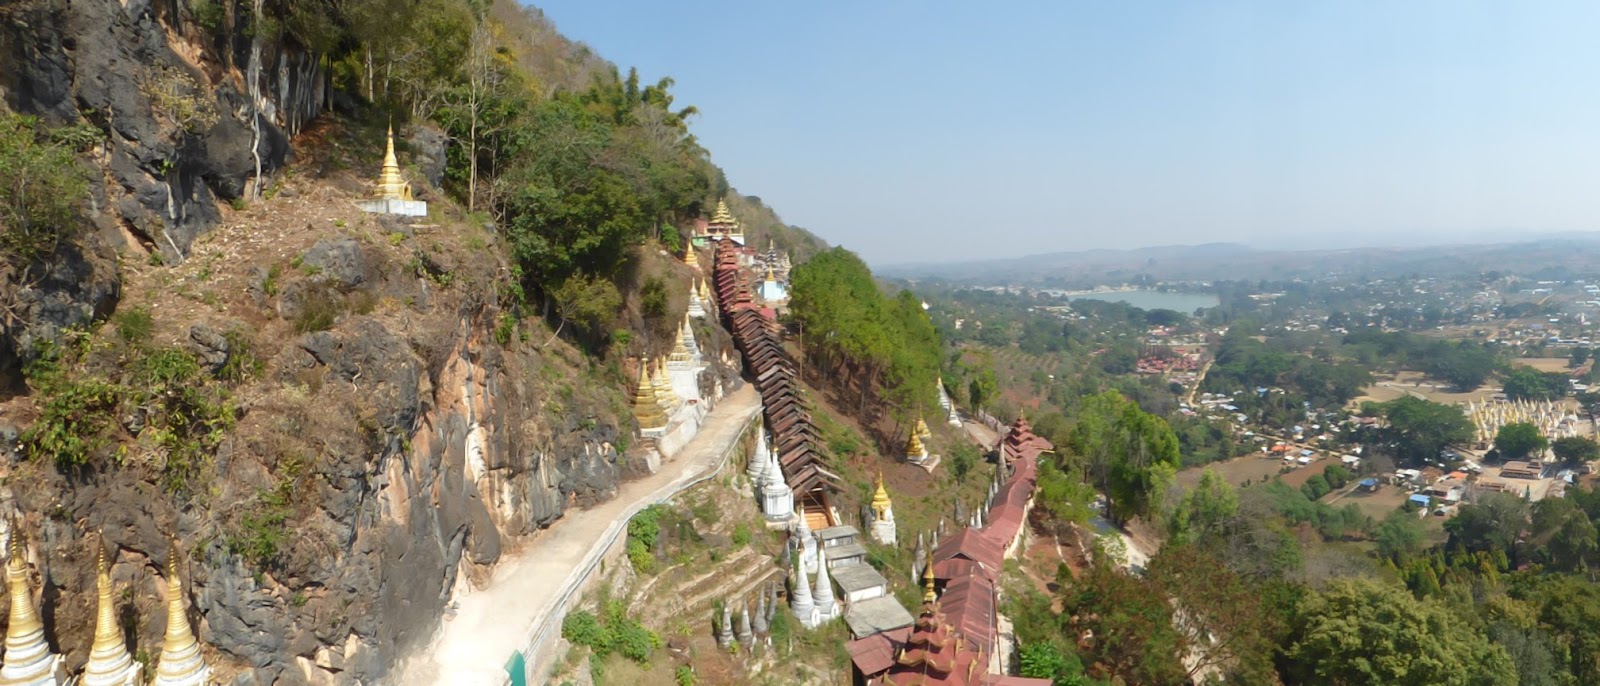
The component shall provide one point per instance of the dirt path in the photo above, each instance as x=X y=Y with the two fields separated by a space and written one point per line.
x=1198 y=379
x=528 y=591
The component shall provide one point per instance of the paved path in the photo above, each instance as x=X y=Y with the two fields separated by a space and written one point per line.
x=528 y=591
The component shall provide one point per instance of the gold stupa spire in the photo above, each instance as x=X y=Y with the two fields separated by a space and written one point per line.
x=180 y=663
x=880 y=498
x=24 y=618
x=680 y=353
x=914 y=446
x=663 y=387
x=109 y=663
x=645 y=407
x=391 y=184
x=690 y=258
x=928 y=595
x=922 y=429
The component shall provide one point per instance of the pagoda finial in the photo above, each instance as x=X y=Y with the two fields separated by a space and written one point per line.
x=106 y=634
x=391 y=184
x=645 y=407
x=109 y=662
x=928 y=596
x=690 y=258
x=914 y=445
x=180 y=663
x=24 y=618
x=880 y=497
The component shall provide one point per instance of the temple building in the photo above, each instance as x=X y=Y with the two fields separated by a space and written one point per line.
x=109 y=662
x=774 y=292
x=883 y=530
x=27 y=660
x=1020 y=442
x=180 y=663
x=394 y=193
x=723 y=227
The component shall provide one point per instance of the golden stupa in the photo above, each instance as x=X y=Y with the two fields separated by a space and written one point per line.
x=109 y=662
x=180 y=663
x=690 y=258
x=393 y=192
x=928 y=595
x=914 y=447
x=27 y=659
x=645 y=407
x=391 y=184
x=880 y=498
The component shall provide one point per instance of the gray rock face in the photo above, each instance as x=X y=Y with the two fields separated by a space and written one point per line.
x=428 y=147
x=340 y=261
x=69 y=289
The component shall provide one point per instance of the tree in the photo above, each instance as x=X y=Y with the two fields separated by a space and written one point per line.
x=1576 y=449
x=1225 y=622
x=1526 y=383
x=1400 y=536
x=1203 y=511
x=1134 y=638
x=1361 y=632
x=963 y=457
x=1419 y=429
x=1579 y=357
x=1518 y=440
x=1495 y=522
x=1131 y=453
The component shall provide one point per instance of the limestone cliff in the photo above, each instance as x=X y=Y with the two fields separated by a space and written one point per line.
x=383 y=430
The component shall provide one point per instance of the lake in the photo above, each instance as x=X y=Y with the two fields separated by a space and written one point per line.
x=1186 y=303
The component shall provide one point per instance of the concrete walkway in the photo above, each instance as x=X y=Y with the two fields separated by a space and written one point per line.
x=525 y=601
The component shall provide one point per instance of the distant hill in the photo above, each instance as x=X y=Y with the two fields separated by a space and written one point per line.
x=1561 y=256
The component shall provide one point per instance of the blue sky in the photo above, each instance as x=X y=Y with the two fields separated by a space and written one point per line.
x=935 y=131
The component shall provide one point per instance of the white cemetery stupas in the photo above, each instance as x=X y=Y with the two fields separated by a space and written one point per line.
x=883 y=528
x=180 y=663
x=759 y=457
x=777 y=500
x=949 y=408
x=805 y=544
x=827 y=607
x=394 y=193
x=27 y=660
x=800 y=598
x=109 y=663
x=697 y=307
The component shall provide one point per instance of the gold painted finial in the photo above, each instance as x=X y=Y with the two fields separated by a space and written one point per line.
x=880 y=498
x=928 y=595
x=179 y=636
x=391 y=184
x=914 y=446
x=24 y=617
x=106 y=634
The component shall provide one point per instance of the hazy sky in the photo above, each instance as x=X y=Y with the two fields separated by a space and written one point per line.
x=919 y=131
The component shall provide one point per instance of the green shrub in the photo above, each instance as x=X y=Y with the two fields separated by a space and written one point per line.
x=135 y=324
x=41 y=183
x=741 y=535
x=320 y=308
x=653 y=297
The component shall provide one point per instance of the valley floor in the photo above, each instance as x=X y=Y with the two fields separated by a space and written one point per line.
x=528 y=592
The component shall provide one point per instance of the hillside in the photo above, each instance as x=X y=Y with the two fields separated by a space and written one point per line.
x=333 y=421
